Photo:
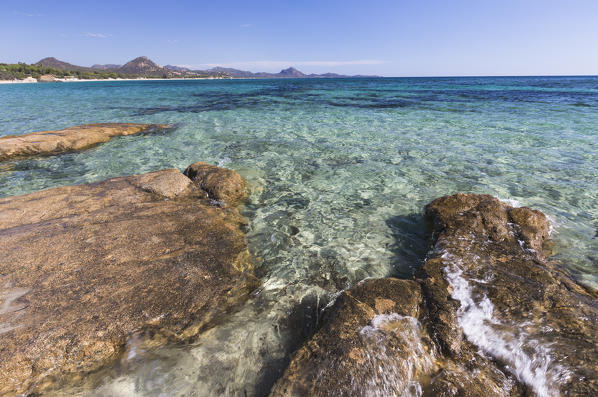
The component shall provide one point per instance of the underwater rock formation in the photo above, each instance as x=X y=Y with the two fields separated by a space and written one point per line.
x=69 y=139
x=486 y=315
x=85 y=269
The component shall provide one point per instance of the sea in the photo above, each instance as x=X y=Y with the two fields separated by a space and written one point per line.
x=340 y=171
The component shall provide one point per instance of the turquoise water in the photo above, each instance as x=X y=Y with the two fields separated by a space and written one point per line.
x=340 y=171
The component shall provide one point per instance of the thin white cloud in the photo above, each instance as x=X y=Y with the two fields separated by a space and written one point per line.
x=98 y=35
x=246 y=25
x=270 y=65
x=27 y=14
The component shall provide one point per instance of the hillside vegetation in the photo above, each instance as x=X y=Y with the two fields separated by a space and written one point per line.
x=22 y=70
x=138 y=67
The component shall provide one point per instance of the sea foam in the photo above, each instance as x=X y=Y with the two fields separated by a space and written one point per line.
x=397 y=369
x=527 y=358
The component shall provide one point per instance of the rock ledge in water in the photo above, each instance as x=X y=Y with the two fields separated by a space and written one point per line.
x=69 y=139
x=494 y=318
x=222 y=185
x=85 y=268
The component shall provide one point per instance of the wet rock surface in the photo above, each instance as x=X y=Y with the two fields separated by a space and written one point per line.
x=80 y=137
x=224 y=187
x=86 y=268
x=486 y=315
x=506 y=298
x=361 y=345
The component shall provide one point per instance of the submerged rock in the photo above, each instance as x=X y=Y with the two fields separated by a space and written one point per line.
x=486 y=315
x=86 y=268
x=66 y=140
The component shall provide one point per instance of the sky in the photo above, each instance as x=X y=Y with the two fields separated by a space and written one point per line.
x=387 y=38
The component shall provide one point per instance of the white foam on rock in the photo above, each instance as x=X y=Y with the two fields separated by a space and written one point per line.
x=512 y=202
x=528 y=359
x=397 y=370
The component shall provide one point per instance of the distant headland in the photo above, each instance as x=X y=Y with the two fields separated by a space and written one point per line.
x=51 y=69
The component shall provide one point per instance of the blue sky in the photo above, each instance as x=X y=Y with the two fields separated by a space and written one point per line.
x=390 y=38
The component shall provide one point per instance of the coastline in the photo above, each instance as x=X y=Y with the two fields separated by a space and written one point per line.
x=57 y=80
x=25 y=81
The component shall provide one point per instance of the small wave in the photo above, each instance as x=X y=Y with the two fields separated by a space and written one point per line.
x=512 y=202
x=223 y=162
x=553 y=224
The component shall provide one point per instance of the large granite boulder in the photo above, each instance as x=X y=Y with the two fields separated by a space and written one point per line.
x=69 y=139
x=86 y=268
x=486 y=315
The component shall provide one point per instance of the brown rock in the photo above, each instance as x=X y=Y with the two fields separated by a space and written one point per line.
x=85 y=268
x=222 y=185
x=167 y=183
x=486 y=316
x=375 y=342
x=70 y=139
x=533 y=227
x=362 y=346
x=488 y=286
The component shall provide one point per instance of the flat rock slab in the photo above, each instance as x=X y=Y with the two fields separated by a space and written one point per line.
x=85 y=268
x=486 y=315
x=69 y=139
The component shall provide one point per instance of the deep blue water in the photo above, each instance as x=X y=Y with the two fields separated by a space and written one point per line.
x=340 y=171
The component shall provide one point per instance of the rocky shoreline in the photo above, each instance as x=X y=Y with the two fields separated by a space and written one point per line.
x=486 y=315
x=161 y=257
x=85 y=269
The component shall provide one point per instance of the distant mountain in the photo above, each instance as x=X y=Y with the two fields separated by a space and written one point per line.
x=232 y=72
x=291 y=72
x=142 y=65
x=285 y=73
x=55 y=63
x=108 y=66
x=177 y=68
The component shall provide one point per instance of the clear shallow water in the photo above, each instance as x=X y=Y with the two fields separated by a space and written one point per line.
x=340 y=170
